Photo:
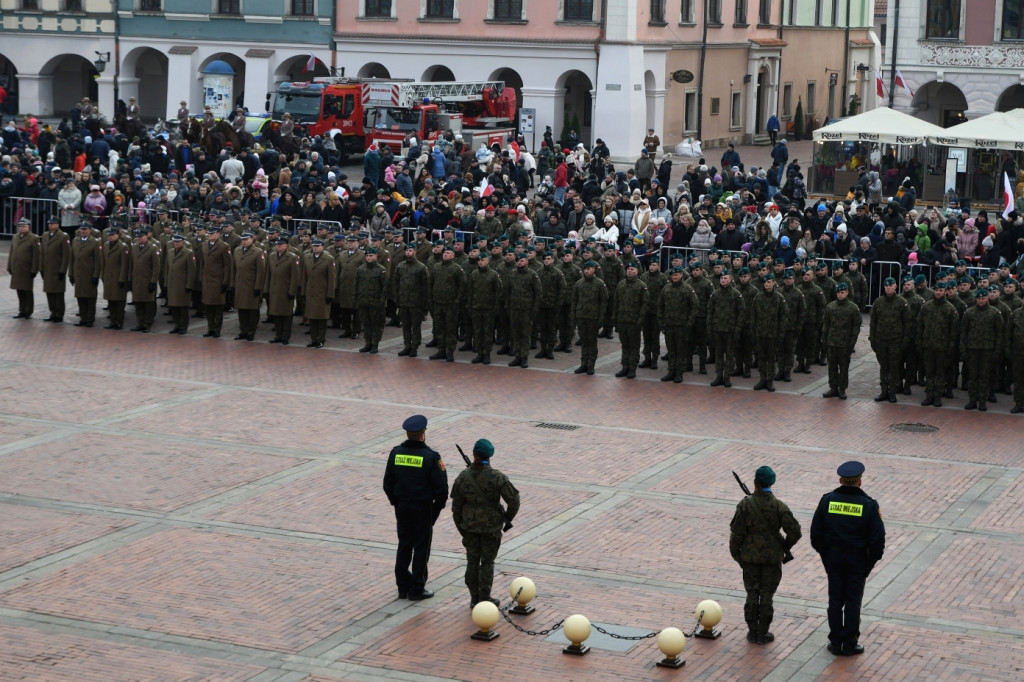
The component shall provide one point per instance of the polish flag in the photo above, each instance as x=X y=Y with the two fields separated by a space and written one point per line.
x=879 y=87
x=486 y=189
x=311 y=64
x=903 y=84
x=1007 y=195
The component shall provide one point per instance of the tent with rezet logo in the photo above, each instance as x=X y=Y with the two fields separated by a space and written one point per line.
x=880 y=125
x=1002 y=130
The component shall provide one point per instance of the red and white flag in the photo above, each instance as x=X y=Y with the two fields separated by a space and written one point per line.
x=311 y=64
x=1007 y=195
x=879 y=87
x=903 y=84
x=486 y=188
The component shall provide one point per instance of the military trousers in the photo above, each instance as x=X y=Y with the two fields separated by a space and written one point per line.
x=652 y=337
x=889 y=355
x=116 y=310
x=608 y=311
x=838 y=367
x=481 y=550
x=318 y=331
x=282 y=327
x=978 y=365
x=446 y=326
x=248 y=320
x=371 y=318
x=677 y=342
x=56 y=304
x=588 y=339
x=724 y=344
x=629 y=340
x=179 y=317
x=214 y=317
x=520 y=324
x=936 y=367
x=1017 y=373
x=807 y=352
x=760 y=581
x=412 y=323
x=698 y=340
x=744 y=349
x=566 y=332
x=483 y=330
x=787 y=350
x=911 y=365
x=766 y=351
x=547 y=327
x=145 y=313
x=26 y=301
x=87 y=310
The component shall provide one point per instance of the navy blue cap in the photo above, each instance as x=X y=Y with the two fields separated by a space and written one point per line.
x=316 y=242
x=177 y=238
x=850 y=469
x=415 y=423
x=213 y=228
x=282 y=240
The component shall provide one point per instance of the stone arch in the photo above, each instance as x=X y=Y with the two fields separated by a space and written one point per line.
x=9 y=81
x=1011 y=98
x=650 y=85
x=144 y=76
x=438 y=73
x=237 y=64
x=573 y=97
x=70 y=77
x=294 y=69
x=512 y=79
x=373 y=70
x=940 y=103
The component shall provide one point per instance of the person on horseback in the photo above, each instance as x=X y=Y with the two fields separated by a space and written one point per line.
x=287 y=126
x=86 y=109
x=208 y=119
x=183 y=119
x=238 y=122
x=133 y=113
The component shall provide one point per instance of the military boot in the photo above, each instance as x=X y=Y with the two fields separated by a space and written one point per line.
x=669 y=377
x=404 y=352
x=590 y=368
x=449 y=356
x=937 y=401
x=622 y=372
x=703 y=366
x=582 y=368
x=771 y=386
x=524 y=361
x=468 y=345
x=487 y=358
x=779 y=376
x=654 y=362
x=477 y=359
x=799 y=367
x=717 y=381
x=972 y=404
x=679 y=378
x=431 y=344
x=631 y=374
x=831 y=393
x=646 y=361
x=366 y=347
x=760 y=385
x=982 y=407
x=515 y=362
x=927 y=401
x=787 y=376
x=439 y=355
x=504 y=350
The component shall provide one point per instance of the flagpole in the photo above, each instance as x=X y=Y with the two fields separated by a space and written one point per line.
x=893 y=43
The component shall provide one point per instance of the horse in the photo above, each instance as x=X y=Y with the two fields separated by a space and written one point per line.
x=131 y=127
x=217 y=137
x=193 y=130
x=287 y=146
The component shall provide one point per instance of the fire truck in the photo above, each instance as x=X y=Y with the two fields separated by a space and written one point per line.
x=358 y=112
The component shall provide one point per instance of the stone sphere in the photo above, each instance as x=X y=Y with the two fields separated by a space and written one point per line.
x=577 y=628
x=671 y=641
x=712 y=613
x=485 y=615
x=529 y=590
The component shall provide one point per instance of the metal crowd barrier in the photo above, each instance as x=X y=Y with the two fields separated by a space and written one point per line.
x=38 y=211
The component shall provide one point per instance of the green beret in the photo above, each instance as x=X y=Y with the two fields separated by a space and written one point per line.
x=888 y=281
x=633 y=264
x=965 y=280
x=789 y=273
x=920 y=279
x=764 y=477
x=371 y=250
x=769 y=277
x=981 y=293
x=483 y=447
x=744 y=271
x=842 y=286
x=677 y=270
x=993 y=287
x=907 y=278
x=549 y=254
x=449 y=248
x=590 y=264
x=823 y=266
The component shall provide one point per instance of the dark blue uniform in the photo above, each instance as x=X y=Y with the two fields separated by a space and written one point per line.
x=847 y=531
x=416 y=484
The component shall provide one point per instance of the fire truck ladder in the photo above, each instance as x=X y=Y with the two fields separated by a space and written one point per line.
x=452 y=92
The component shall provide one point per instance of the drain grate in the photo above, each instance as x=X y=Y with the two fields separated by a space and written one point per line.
x=915 y=428
x=558 y=427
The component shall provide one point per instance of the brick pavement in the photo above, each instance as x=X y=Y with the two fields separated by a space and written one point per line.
x=183 y=508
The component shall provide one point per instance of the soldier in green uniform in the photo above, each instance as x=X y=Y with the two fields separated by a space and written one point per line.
x=522 y=299
x=840 y=327
x=768 y=317
x=589 y=298
x=571 y=273
x=84 y=273
x=412 y=281
x=756 y=545
x=677 y=310
x=54 y=270
x=320 y=282
x=479 y=517
x=349 y=260
x=483 y=294
x=938 y=331
x=630 y=309
x=810 y=331
x=552 y=293
x=725 y=317
x=858 y=283
x=282 y=285
x=612 y=272
x=981 y=333
x=447 y=286
x=370 y=298
x=250 y=272
x=115 y=267
x=144 y=275
x=655 y=280
x=887 y=336
x=216 y=279
x=179 y=274
x=796 y=308
x=911 y=355
x=745 y=340
x=1014 y=349
x=703 y=287
x=23 y=263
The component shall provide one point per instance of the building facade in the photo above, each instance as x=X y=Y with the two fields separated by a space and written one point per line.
x=157 y=50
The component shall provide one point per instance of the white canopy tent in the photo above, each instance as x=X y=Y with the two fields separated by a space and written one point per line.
x=998 y=130
x=881 y=125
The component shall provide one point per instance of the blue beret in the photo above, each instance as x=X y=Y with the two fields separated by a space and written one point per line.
x=850 y=469
x=415 y=423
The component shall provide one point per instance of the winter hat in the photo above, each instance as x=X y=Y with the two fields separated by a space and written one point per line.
x=784 y=241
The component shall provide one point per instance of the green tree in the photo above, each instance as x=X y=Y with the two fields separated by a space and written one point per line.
x=565 y=130
x=798 y=119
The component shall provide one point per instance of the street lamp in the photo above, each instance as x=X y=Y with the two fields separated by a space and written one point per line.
x=101 y=61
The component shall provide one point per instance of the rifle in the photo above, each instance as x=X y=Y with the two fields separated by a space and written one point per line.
x=787 y=555
x=508 y=524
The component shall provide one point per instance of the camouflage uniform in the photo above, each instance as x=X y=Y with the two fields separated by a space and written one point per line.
x=655 y=281
x=611 y=272
x=703 y=287
x=411 y=284
x=768 y=317
x=572 y=274
x=370 y=297
x=522 y=298
x=1014 y=346
x=807 y=348
x=887 y=335
x=912 y=352
x=725 y=317
x=796 y=309
x=677 y=311
x=552 y=294
x=758 y=549
x=589 y=298
x=479 y=517
x=840 y=327
x=447 y=283
x=745 y=342
x=630 y=306
x=483 y=298
x=938 y=330
x=981 y=333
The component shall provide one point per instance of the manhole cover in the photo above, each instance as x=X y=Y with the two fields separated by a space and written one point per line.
x=597 y=640
x=915 y=428
x=560 y=427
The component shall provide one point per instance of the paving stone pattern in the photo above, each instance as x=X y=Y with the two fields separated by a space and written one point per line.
x=180 y=508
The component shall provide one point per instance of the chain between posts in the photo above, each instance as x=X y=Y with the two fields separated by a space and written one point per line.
x=558 y=625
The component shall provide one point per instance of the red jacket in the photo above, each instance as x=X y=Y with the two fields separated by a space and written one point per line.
x=562 y=175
